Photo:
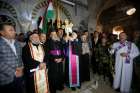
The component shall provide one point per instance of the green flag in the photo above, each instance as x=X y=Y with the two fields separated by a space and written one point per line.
x=49 y=14
x=50 y=10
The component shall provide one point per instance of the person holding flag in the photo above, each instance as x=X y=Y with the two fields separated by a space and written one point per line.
x=43 y=23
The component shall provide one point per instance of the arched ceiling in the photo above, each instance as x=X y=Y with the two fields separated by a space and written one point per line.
x=100 y=6
x=117 y=13
x=7 y=7
x=26 y=12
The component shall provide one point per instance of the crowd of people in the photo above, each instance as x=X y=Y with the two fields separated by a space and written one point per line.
x=37 y=62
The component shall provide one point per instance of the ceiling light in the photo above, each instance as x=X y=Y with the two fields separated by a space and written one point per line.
x=131 y=11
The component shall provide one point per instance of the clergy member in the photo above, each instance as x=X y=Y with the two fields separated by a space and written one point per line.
x=33 y=56
x=125 y=52
x=55 y=63
x=72 y=51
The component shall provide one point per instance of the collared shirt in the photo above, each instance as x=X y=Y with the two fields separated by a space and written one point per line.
x=85 y=48
x=96 y=40
x=11 y=43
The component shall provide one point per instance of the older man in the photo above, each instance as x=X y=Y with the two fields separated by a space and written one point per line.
x=55 y=63
x=125 y=52
x=10 y=60
x=34 y=60
x=43 y=39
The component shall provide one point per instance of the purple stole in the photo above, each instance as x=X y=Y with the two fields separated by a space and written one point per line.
x=56 y=52
x=128 y=50
x=73 y=68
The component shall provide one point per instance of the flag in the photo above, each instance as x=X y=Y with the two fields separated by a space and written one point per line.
x=48 y=15
x=40 y=22
x=50 y=10
x=43 y=26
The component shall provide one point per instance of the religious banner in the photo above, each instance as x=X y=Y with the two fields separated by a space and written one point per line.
x=40 y=75
x=73 y=69
x=41 y=81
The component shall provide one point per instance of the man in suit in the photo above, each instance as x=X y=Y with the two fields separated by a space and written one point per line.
x=95 y=42
x=10 y=60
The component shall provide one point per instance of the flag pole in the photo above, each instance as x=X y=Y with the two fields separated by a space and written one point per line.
x=57 y=15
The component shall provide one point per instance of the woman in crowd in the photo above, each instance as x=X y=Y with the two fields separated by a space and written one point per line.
x=84 y=59
x=105 y=59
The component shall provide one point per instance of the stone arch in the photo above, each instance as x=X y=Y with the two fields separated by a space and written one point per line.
x=9 y=11
x=8 y=19
x=38 y=7
x=44 y=4
x=13 y=20
x=8 y=7
x=104 y=7
x=63 y=9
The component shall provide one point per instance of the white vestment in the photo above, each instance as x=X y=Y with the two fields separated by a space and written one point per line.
x=123 y=70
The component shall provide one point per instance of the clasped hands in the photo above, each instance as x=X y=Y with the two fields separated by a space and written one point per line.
x=124 y=54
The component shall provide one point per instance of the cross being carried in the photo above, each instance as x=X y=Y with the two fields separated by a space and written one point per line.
x=68 y=27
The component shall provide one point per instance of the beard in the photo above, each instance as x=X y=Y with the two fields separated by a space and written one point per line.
x=55 y=38
x=35 y=42
x=43 y=41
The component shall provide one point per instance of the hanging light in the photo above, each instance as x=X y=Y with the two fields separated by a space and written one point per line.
x=131 y=11
x=127 y=7
x=130 y=8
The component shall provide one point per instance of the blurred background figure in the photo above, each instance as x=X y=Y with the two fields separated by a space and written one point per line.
x=85 y=59
x=21 y=39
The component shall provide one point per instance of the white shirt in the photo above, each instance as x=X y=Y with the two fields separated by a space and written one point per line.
x=96 y=40
x=11 y=43
x=85 y=48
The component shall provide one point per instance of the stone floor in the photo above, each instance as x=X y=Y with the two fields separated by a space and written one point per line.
x=96 y=85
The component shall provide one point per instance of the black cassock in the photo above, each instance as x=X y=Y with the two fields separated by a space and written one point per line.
x=29 y=63
x=55 y=70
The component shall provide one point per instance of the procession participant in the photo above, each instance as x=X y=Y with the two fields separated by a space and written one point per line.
x=72 y=71
x=125 y=52
x=55 y=63
x=34 y=60
x=60 y=33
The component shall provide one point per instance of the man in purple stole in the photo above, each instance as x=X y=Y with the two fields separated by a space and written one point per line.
x=125 y=52
x=55 y=62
